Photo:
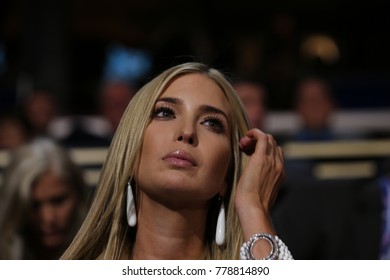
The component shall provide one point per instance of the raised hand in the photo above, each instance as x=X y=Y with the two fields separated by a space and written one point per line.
x=259 y=183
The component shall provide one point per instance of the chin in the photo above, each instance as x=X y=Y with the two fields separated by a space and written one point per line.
x=174 y=179
x=53 y=241
x=185 y=193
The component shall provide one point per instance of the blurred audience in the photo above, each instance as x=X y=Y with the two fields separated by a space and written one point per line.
x=253 y=95
x=341 y=216
x=315 y=105
x=15 y=130
x=114 y=98
x=96 y=130
x=43 y=202
x=40 y=109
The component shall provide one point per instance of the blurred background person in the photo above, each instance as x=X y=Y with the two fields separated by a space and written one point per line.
x=341 y=215
x=315 y=105
x=114 y=98
x=43 y=202
x=96 y=130
x=40 y=109
x=253 y=95
x=15 y=130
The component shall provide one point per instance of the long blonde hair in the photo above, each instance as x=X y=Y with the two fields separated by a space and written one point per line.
x=105 y=233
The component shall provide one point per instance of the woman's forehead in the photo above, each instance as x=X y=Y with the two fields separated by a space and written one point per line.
x=197 y=88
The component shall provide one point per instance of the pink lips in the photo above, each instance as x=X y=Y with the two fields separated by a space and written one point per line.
x=180 y=158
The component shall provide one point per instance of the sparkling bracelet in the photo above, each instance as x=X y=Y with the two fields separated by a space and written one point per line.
x=279 y=250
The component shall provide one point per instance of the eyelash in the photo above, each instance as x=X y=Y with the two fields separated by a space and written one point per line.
x=218 y=125
x=169 y=113
x=165 y=110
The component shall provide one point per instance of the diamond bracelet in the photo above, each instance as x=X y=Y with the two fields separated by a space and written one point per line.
x=278 y=249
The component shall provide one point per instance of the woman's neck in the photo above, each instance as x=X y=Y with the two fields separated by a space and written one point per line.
x=165 y=233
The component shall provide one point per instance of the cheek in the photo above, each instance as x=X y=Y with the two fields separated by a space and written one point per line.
x=153 y=143
x=67 y=210
x=219 y=158
x=149 y=144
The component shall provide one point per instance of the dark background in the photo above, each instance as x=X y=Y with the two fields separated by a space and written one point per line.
x=62 y=45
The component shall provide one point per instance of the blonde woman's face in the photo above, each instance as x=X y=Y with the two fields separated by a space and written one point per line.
x=186 y=148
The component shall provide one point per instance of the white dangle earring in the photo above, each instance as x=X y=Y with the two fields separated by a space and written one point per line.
x=220 y=231
x=130 y=207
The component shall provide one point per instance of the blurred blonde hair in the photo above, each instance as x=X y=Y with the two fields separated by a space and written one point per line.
x=105 y=233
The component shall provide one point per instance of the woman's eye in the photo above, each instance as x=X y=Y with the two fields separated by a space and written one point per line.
x=58 y=200
x=163 y=113
x=215 y=124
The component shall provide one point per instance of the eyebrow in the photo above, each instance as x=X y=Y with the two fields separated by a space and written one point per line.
x=170 y=100
x=204 y=108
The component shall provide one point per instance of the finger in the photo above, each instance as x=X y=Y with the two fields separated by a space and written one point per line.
x=271 y=146
x=254 y=140
x=247 y=144
x=280 y=165
x=281 y=154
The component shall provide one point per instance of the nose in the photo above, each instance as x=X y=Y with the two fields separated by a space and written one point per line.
x=187 y=135
x=186 y=138
x=47 y=214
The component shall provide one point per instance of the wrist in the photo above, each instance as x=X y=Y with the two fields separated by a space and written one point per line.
x=254 y=219
x=251 y=199
x=251 y=207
